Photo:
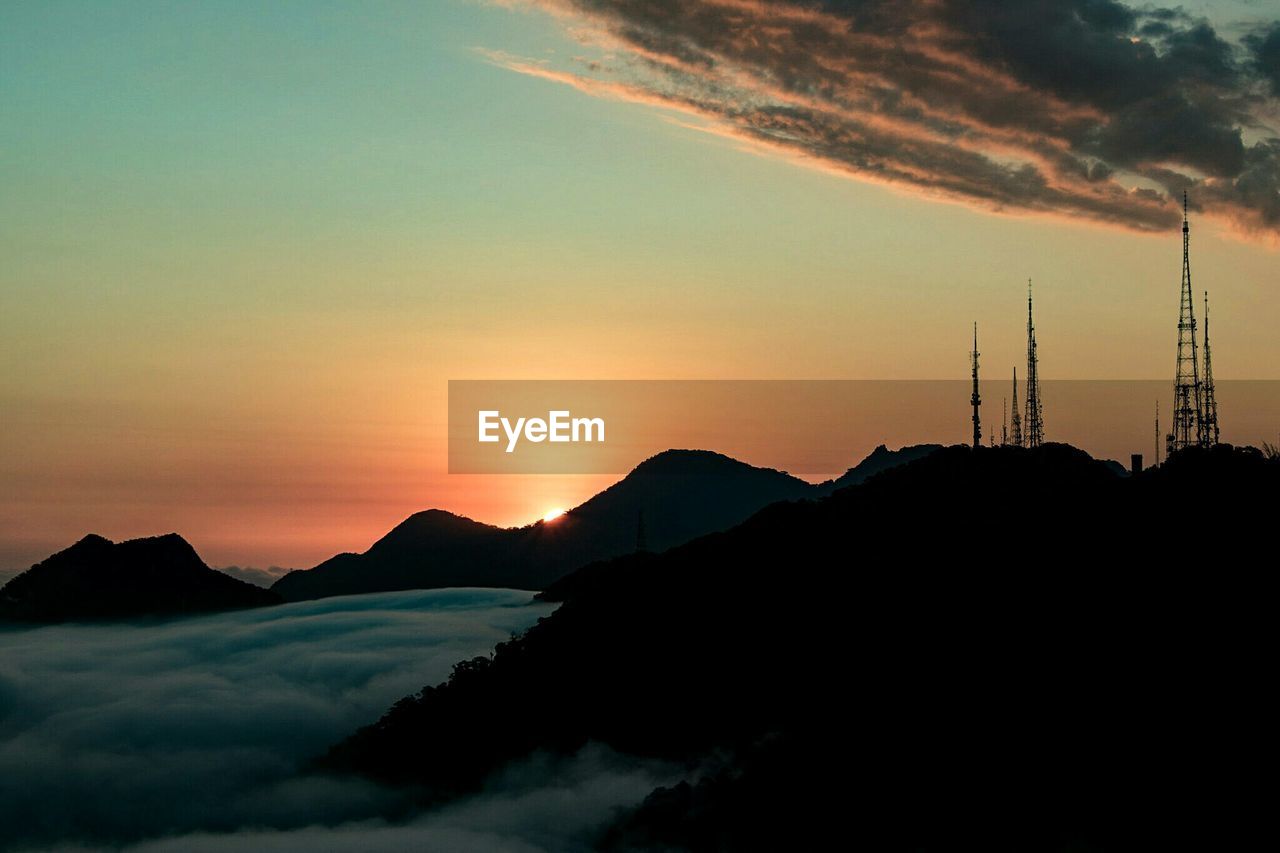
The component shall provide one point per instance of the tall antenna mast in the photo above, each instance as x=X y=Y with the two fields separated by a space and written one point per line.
x=1035 y=408
x=1015 y=427
x=1004 y=421
x=975 y=400
x=1188 y=410
x=1157 y=430
x=1210 y=435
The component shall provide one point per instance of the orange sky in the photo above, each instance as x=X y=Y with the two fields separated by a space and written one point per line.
x=243 y=259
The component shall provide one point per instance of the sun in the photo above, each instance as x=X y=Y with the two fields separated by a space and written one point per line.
x=553 y=513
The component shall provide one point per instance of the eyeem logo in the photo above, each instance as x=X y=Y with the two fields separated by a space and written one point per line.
x=558 y=427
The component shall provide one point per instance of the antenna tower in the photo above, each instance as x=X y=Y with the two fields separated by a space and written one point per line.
x=1157 y=430
x=975 y=400
x=1034 y=422
x=1210 y=436
x=1188 y=410
x=1015 y=427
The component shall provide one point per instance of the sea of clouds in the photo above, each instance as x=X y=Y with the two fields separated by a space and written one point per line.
x=193 y=734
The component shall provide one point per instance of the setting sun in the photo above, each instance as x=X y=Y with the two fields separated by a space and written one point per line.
x=553 y=514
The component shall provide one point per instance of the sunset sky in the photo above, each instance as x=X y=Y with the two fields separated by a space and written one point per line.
x=245 y=246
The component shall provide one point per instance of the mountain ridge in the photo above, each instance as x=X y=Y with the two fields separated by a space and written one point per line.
x=682 y=493
x=1058 y=689
x=97 y=579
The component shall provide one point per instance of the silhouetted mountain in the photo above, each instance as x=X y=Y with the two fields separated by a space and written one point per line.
x=999 y=649
x=99 y=579
x=880 y=459
x=682 y=493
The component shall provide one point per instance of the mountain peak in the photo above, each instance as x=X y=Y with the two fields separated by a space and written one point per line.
x=95 y=546
x=429 y=525
x=685 y=462
x=94 y=539
x=880 y=459
x=681 y=494
x=437 y=519
x=99 y=579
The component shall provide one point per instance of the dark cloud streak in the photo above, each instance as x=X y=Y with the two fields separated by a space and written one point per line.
x=1088 y=109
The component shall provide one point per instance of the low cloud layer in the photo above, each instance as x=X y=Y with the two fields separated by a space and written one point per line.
x=1087 y=109
x=194 y=730
x=540 y=805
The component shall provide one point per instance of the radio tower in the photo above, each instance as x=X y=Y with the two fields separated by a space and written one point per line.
x=1034 y=421
x=1188 y=411
x=975 y=400
x=1015 y=427
x=1004 y=421
x=1210 y=436
x=1157 y=430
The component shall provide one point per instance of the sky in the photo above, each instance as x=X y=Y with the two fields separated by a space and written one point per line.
x=244 y=247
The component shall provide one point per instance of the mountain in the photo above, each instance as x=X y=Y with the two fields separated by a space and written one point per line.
x=100 y=579
x=998 y=649
x=682 y=494
x=428 y=549
x=880 y=459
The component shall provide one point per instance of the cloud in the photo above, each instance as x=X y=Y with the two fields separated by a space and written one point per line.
x=541 y=805
x=116 y=734
x=1265 y=47
x=1088 y=109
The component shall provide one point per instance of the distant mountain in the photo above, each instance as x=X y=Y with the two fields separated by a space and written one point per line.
x=251 y=574
x=681 y=493
x=99 y=579
x=998 y=649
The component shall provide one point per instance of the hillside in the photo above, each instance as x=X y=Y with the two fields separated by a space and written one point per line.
x=1011 y=647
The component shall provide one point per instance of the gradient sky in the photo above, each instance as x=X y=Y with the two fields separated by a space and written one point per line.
x=244 y=246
